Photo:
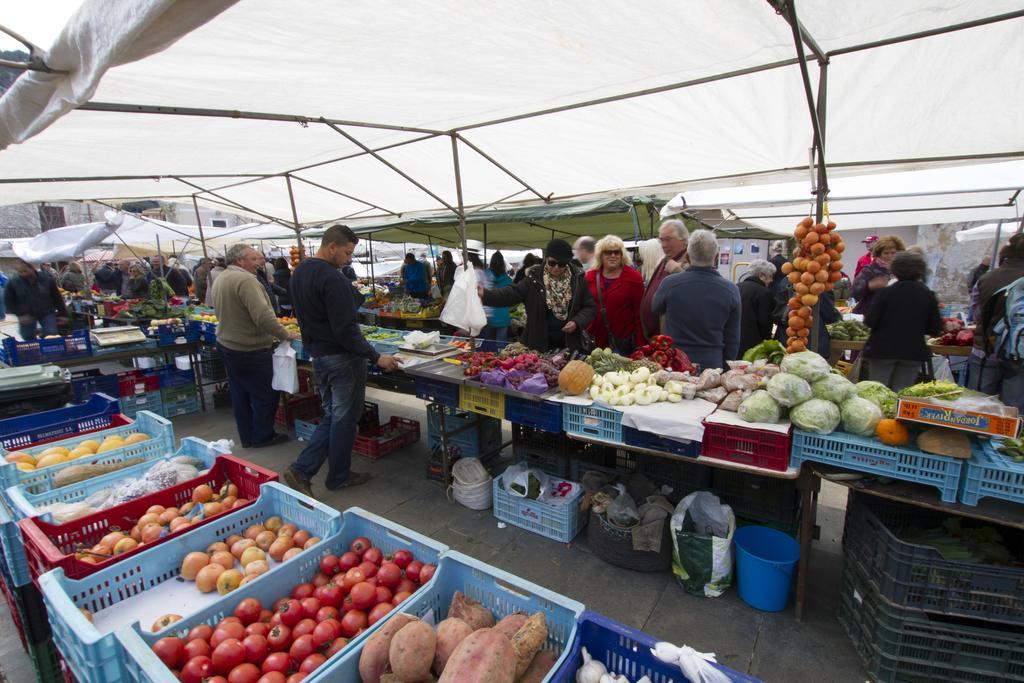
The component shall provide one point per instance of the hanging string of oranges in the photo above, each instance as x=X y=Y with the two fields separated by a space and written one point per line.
x=816 y=267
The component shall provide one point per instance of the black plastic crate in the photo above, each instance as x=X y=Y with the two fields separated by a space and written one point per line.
x=918 y=577
x=759 y=500
x=903 y=645
x=552 y=463
x=212 y=370
x=681 y=476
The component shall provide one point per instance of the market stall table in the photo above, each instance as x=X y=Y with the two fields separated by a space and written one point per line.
x=838 y=346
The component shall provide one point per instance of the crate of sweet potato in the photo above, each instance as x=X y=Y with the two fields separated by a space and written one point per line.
x=476 y=622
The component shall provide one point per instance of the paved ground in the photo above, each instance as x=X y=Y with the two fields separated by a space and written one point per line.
x=773 y=647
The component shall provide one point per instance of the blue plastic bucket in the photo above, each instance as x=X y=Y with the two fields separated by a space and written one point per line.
x=765 y=560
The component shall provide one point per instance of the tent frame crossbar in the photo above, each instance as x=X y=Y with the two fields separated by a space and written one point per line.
x=230 y=203
x=341 y=194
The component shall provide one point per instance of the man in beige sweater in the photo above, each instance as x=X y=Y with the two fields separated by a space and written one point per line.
x=246 y=334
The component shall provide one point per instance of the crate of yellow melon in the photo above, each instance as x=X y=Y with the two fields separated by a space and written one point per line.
x=41 y=468
x=815 y=267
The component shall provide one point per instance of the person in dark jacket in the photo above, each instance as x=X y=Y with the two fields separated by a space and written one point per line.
x=108 y=278
x=283 y=278
x=900 y=317
x=446 y=273
x=559 y=306
x=136 y=285
x=201 y=277
x=979 y=270
x=529 y=261
x=700 y=308
x=875 y=276
x=757 y=303
x=32 y=295
x=778 y=260
x=986 y=372
x=74 y=279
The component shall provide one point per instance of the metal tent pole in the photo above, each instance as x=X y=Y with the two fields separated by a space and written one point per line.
x=485 y=244
x=995 y=246
x=199 y=224
x=461 y=211
x=373 y=277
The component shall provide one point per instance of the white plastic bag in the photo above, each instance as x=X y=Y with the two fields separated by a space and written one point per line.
x=464 y=310
x=286 y=369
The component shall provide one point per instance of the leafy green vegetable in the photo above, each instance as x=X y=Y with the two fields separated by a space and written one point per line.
x=789 y=390
x=848 y=330
x=935 y=389
x=760 y=407
x=816 y=415
x=769 y=350
x=879 y=394
x=860 y=416
x=806 y=364
x=835 y=388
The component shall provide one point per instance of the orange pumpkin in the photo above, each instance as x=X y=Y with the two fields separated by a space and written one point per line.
x=892 y=432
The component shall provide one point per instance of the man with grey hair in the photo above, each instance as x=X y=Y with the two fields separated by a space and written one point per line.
x=701 y=308
x=584 y=249
x=757 y=303
x=246 y=334
x=672 y=235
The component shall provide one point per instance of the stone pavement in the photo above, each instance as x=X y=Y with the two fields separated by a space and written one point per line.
x=773 y=647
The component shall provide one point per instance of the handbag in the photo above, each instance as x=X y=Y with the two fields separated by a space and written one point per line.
x=617 y=343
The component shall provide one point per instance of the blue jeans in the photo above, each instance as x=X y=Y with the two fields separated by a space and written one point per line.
x=48 y=323
x=253 y=401
x=492 y=332
x=342 y=382
x=995 y=377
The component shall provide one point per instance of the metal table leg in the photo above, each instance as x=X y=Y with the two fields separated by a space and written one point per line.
x=808 y=484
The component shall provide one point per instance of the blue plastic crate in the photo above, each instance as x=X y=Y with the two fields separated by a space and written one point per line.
x=133 y=405
x=97 y=413
x=89 y=382
x=24 y=504
x=180 y=400
x=74 y=345
x=470 y=434
x=560 y=522
x=593 y=421
x=14 y=559
x=546 y=415
x=624 y=651
x=437 y=391
x=172 y=377
x=161 y=442
x=871 y=455
x=990 y=474
x=497 y=590
x=656 y=442
x=96 y=655
x=304 y=428
x=140 y=664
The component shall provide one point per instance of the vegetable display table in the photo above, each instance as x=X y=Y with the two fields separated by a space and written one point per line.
x=838 y=346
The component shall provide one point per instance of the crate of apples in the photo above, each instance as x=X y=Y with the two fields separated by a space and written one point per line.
x=299 y=632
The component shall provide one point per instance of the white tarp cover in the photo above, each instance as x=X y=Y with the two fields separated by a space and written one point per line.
x=63 y=244
x=446 y=65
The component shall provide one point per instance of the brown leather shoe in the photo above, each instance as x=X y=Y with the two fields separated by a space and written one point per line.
x=292 y=478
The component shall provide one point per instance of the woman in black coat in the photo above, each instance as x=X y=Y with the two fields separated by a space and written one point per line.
x=283 y=279
x=559 y=305
x=757 y=303
x=900 y=317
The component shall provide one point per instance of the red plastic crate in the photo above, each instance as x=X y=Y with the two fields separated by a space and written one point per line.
x=396 y=434
x=135 y=382
x=302 y=406
x=746 y=446
x=48 y=546
x=306 y=384
x=14 y=609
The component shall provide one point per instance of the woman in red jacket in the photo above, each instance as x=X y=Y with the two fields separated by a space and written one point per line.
x=617 y=288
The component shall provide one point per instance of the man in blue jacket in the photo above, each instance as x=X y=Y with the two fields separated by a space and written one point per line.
x=325 y=303
x=32 y=295
x=701 y=308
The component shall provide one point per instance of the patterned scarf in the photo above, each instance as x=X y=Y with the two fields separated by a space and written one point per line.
x=558 y=292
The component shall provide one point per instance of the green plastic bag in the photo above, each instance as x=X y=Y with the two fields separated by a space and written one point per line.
x=702 y=531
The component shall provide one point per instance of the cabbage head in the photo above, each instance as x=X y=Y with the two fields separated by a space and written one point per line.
x=760 y=407
x=806 y=364
x=835 y=388
x=789 y=390
x=879 y=394
x=860 y=416
x=817 y=415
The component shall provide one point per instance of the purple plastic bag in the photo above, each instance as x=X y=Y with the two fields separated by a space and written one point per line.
x=495 y=377
x=536 y=384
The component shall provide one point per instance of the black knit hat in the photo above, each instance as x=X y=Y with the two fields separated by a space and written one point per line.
x=558 y=250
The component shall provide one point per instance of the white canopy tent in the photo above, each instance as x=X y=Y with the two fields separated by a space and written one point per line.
x=304 y=112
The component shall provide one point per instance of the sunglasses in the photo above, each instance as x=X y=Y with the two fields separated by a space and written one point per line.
x=552 y=263
x=613 y=252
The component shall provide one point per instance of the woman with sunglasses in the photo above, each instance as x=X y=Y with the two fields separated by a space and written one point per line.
x=618 y=289
x=559 y=306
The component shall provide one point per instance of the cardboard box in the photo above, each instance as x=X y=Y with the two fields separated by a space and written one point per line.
x=939 y=414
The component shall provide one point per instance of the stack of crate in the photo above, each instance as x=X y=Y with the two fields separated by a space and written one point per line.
x=466 y=434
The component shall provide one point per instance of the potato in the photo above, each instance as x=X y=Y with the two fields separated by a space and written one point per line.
x=450 y=633
x=411 y=652
x=470 y=611
x=373 y=661
x=540 y=666
x=484 y=656
x=510 y=624
x=528 y=640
